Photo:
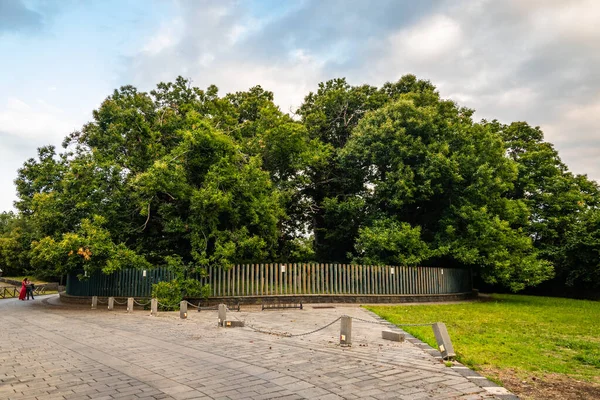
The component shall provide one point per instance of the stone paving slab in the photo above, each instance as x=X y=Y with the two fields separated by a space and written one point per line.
x=53 y=351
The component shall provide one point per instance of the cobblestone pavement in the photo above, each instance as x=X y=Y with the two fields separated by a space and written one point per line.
x=51 y=351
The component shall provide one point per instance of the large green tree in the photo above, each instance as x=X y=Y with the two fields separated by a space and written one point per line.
x=435 y=188
x=185 y=177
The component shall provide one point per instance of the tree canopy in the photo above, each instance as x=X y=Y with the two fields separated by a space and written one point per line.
x=393 y=175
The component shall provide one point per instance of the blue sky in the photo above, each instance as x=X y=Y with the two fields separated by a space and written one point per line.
x=534 y=60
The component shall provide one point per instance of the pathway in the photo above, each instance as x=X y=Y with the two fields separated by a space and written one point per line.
x=51 y=351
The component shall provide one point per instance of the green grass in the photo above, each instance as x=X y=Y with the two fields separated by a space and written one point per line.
x=528 y=334
x=35 y=280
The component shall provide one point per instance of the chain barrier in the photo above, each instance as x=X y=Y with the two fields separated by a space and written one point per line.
x=102 y=302
x=191 y=305
x=118 y=302
x=165 y=306
x=287 y=334
x=141 y=304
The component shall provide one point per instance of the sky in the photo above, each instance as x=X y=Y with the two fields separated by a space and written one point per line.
x=512 y=60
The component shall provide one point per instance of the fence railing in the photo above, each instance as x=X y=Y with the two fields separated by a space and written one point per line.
x=13 y=291
x=334 y=279
x=276 y=279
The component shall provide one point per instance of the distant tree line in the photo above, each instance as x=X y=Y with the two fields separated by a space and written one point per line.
x=186 y=178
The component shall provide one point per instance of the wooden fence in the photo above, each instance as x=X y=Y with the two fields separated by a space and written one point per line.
x=275 y=279
x=13 y=291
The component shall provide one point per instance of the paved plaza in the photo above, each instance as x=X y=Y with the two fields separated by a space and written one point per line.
x=50 y=351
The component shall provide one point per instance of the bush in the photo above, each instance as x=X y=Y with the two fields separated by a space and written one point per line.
x=169 y=294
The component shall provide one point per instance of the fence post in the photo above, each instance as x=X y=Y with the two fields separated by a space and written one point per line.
x=130 y=304
x=183 y=309
x=346 y=331
x=94 y=302
x=443 y=340
x=222 y=314
x=111 y=303
x=154 y=307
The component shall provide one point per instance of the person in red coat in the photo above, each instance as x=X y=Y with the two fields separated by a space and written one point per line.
x=23 y=291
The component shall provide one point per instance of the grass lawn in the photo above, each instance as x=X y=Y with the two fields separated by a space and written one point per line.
x=529 y=337
x=31 y=278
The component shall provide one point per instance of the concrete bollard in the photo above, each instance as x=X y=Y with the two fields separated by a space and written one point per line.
x=183 y=309
x=94 y=302
x=222 y=314
x=393 y=336
x=443 y=340
x=346 y=331
x=111 y=303
x=130 y=304
x=233 y=324
x=154 y=307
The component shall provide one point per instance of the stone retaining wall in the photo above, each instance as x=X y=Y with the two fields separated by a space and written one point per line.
x=307 y=299
x=354 y=299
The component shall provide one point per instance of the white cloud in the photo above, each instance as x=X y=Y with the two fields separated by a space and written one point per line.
x=34 y=121
x=428 y=40
x=576 y=21
x=168 y=35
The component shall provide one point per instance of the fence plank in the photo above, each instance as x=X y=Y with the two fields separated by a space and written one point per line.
x=298 y=279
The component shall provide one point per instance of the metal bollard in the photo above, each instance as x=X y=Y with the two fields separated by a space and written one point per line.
x=183 y=309
x=443 y=340
x=130 y=304
x=154 y=307
x=222 y=314
x=346 y=331
x=94 y=302
x=111 y=303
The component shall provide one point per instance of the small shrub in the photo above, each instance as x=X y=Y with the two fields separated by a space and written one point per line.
x=169 y=294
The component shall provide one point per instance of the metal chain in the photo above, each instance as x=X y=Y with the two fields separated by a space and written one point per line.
x=164 y=305
x=191 y=305
x=287 y=334
x=102 y=302
x=118 y=302
x=141 y=304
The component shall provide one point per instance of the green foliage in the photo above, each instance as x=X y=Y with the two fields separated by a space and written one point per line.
x=90 y=248
x=389 y=242
x=187 y=178
x=15 y=239
x=562 y=207
x=171 y=293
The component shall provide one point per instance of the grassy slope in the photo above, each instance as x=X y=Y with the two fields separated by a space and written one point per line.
x=529 y=334
x=20 y=278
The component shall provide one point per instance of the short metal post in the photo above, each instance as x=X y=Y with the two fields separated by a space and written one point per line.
x=222 y=314
x=346 y=331
x=94 y=302
x=130 y=304
x=154 y=307
x=183 y=309
x=111 y=303
x=443 y=340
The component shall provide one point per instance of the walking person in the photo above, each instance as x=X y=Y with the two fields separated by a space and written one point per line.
x=23 y=291
x=29 y=289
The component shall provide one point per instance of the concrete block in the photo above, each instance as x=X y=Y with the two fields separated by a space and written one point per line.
x=94 y=302
x=154 y=307
x=222 y=314
x=443 y=340
x=346 y=331
x=393 y=336
x=233 y=324
x=111 y=303
x=183 y=309
x=130 y=304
